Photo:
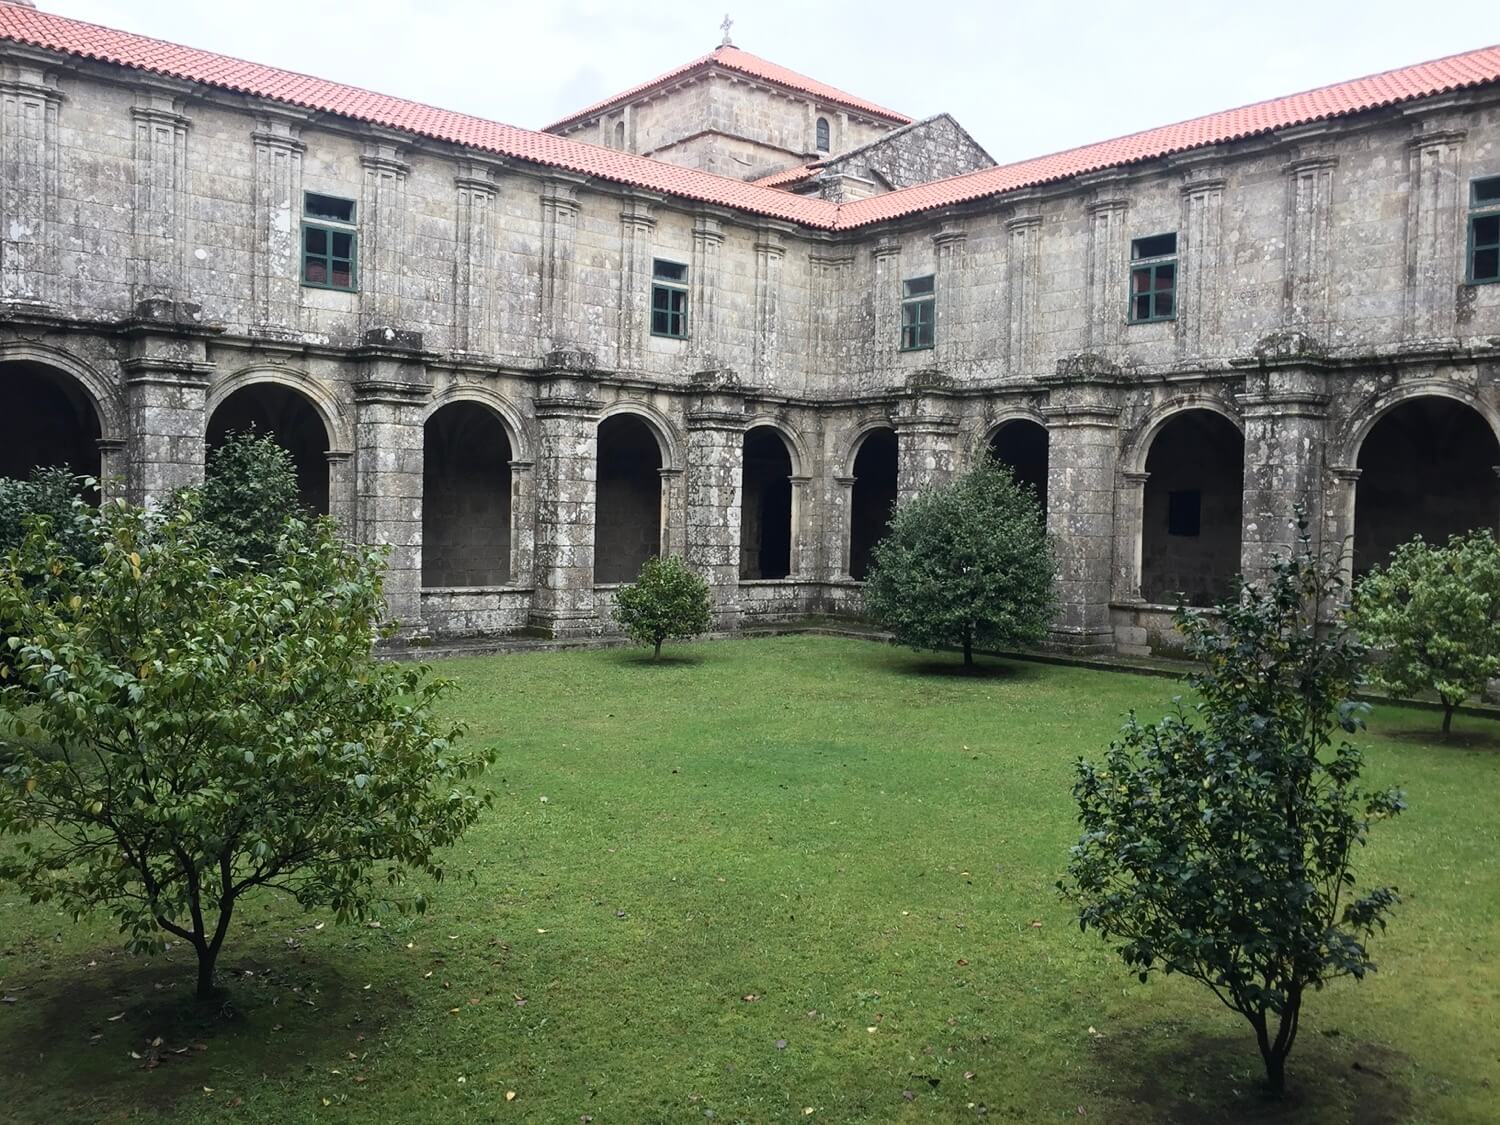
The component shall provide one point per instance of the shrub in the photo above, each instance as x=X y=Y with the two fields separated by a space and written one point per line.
x=249 y=496
x=54 y=495
x=667 y=600
x=212 y=732
x=1217 y=843
x=965 y=564
x=1434 y=614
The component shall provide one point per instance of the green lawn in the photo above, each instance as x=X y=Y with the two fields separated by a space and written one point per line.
x=767 y=877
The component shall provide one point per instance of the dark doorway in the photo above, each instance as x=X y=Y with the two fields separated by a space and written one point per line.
x=873 y=499
x=766 y=506
x=1190 y=535
x=465 y=497
x=627 y=510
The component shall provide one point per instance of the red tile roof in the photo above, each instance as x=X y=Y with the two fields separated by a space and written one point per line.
x=743 y=62
x=40 y=29
x=788 y=177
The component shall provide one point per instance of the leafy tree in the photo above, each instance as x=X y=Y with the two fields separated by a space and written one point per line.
x=1217 y=843
x=249 y=496
x=55 y=495
x=965 y=564
x=1434 y=613
x=667 y=600
x=214 y=732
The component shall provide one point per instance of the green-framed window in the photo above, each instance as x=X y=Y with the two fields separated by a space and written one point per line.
x=918 y=313
x=669 y=299
x=329 y=239
x=1153 y=278
x=1484 y=231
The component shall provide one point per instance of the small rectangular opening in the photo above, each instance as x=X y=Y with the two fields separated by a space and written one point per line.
x=917 y=286
x=328 y=208
x=1153 y=246
x=1486 y=191
x=669 y=271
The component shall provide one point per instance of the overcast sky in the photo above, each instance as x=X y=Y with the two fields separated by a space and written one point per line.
x=1024 y=78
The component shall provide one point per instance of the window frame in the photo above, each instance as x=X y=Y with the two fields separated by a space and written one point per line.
x=670 y=288
x=1150 y=266
x=1480 y=210
x=329 y=227
x=913 y=306
x=823 y=135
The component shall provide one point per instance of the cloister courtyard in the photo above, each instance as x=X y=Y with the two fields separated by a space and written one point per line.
x=800 y=878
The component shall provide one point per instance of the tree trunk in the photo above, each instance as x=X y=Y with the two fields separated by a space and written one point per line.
x=1448 y=709
x=656 y=653
x=208 y=956
x=968 y=648
x=1274 y=1052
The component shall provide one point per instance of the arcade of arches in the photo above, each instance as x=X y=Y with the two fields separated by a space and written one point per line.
x=1021 y=446
x=290 y=417
x=627 y=506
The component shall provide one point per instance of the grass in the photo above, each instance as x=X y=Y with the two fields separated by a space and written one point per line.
x=763 y=877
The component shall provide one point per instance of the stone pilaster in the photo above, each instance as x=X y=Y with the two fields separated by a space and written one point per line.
x=704 y=284
x=714 y=483
x=166 y=373
x=950 y=243
x=1083 y=424
x=770 y=251
x=1106 y=293
x=558 y=321
x=566 y=479
x=277 y=247
x=842 y=494
x=1433 y=232
x=831 y=290
x=1022 y=262
x=804 y=554
x=382 y=236
x=885 y=261
x=1199 y=264
x=474 y=264
x=522 y=521
x=390 y=400
x=926 y=441
x=637 y=224
x=159 y=216
x=1309 y=211
x=29 y=108
x=1285 y=410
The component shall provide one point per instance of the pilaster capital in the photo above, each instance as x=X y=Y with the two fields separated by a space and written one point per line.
x=383 y=159
x=950 y=234
x=390 y=392
x=1019 y=224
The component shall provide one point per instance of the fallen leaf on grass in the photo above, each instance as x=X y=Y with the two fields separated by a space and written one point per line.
x=750 y=997
x=510 y=1095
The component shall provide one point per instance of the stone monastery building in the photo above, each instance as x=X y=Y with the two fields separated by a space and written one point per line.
x=735 y=314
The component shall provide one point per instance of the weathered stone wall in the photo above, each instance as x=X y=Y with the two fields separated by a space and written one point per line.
x=919 y=153
x=150 y=261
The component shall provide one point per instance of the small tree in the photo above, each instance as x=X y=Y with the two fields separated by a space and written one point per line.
x=965 y=564
x=249 y=495
x=667 y=600
x=214 y=732
x=1434 y=614
x=1217 y=843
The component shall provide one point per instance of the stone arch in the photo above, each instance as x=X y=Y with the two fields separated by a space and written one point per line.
x=103 y=393
x=517 y=432
x=767 y=504
x=1425 y=464
x=1020 y=443
x=1193 y=463
x=295 y=409
x=668 y=442
x=1138 y=448
x=52 y=417
x=466 y=494
x=872 y=494
x=1373 y=409
x=794 y=444
x=628 y=499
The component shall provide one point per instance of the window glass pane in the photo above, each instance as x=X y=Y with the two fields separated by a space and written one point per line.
x=1140 y=280
x=315 y=240
x=1165 y=276
x=1164 y=302
x=659 y=321
x=669 y=271
x=329 y=207
x=1487 y=190
x=1487 y=264
x=1486 y=230
x=917 y=286
x=1142 y=307
x=343 y=275
x=316 y=271
x=1155 y=246
x=343 y=243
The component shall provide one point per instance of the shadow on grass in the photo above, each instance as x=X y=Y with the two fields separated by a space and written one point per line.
x=1482 y=738
x=1176 y=1076
x=669 y=658
x=127 y=1036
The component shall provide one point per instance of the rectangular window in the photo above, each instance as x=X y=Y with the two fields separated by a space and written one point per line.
x=328 y=238
x=1153 y=278
x=669 y=299
x=1184 y=512
x=918 y=313
x=1484 y=231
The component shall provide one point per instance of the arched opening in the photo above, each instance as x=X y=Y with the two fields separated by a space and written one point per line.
x=873 y=499
x=1427 y=468
x=619 y=134
x=1021 y=446
x=289 y=417
x=48 y=421
x=1190 y=535
x=766 y=506
x=466 y=458
x=627 y=507
x=823 y=139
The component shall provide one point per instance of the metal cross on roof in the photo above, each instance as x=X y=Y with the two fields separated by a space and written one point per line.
x=726 y=25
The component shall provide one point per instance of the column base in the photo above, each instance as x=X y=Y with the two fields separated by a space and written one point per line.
x=563 y=626
x=1099 y=641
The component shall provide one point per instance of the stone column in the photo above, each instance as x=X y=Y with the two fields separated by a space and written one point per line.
x=1083 y=423
x=390 y=399
x=114 y=468
x=843 y=509
x=567 y=422
x=29 y=107
x=159 y=216
x=522 y=521
x=166 y=373
x=714 y=484
x=673 y=512
x=803 y=556
x=926 y=442
x=341 y=489
x=1285 y=411
x=277 y=247
x=1130 y=512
